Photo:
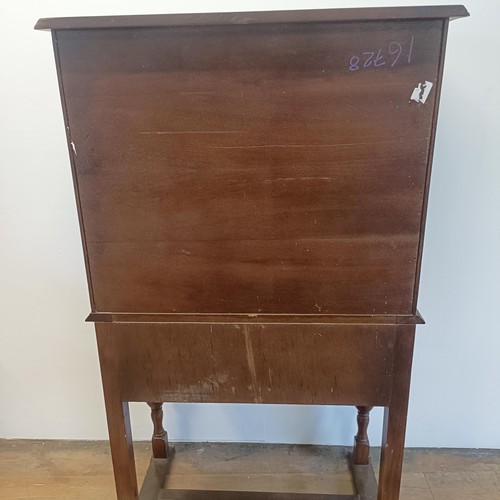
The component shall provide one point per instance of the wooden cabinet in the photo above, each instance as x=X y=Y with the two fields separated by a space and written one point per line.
x=252 y=190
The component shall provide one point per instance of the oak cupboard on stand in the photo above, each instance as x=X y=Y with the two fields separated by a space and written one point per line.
x=252 y=191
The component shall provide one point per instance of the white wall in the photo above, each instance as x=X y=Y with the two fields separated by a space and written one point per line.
x=49 y=376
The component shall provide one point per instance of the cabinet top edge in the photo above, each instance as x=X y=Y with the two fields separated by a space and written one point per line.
x=245 y=18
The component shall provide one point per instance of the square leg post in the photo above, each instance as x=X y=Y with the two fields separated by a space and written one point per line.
x=393 y=437
x=117 y=413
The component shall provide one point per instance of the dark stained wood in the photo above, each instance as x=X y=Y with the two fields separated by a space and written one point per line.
x=252 y=191
x=290 y=364
x=311 y=319
x=393 y=434
x=238 y=18
x=245 y=175
x=361 y=450
x=120 y=434
x=160 y=437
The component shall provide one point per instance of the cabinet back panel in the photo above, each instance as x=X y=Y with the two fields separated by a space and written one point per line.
x=245 y=169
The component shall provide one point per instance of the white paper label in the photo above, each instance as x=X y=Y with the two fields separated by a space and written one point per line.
x=421 y=92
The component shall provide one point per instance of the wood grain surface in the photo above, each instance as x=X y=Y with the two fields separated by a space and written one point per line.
x=247 y=169
x=249 y=363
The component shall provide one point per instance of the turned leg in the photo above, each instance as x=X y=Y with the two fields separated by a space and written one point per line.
x=361 y=450
x=160 y=437
x=393 y=438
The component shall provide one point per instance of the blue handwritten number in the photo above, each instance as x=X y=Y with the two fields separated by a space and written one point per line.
x=354 y=63
x=395 y=49
x=410 y=52
x=379 y=59
x=368 y=60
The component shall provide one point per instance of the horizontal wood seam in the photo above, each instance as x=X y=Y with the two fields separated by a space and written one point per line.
x=99 y=317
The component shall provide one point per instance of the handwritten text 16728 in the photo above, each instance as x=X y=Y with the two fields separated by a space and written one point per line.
x=389 y=56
